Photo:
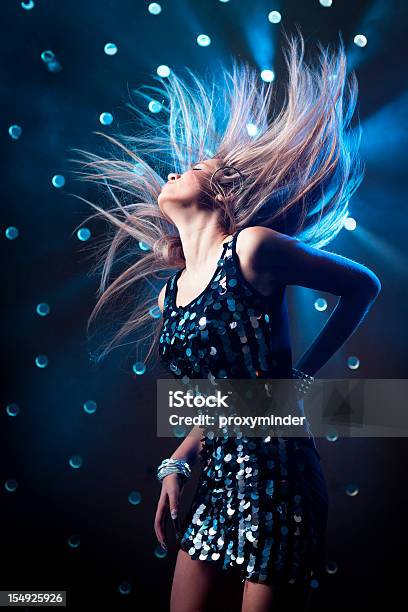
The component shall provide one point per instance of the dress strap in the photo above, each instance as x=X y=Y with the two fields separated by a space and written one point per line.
x=169 y=288
x=233 y=242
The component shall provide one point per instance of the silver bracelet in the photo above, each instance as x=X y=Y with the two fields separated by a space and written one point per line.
x=304 y=381
x=173 y=466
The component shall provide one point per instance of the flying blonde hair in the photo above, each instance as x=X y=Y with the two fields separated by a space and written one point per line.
x=299 y=169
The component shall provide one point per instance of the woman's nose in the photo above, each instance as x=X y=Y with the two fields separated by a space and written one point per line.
x=172 y=176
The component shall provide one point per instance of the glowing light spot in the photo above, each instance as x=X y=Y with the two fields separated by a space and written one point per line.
x=350 y=224
x=42 y=309
x=28 y=5
x=332 y=567
x=163 y=70
x=360 y=40
x=144 y=246
x=155 y=106
x=47 y=56
x=90 y=407
x=11 y=485
x=353 y=363
x=139 y=368
x=110 y=49
x=15 y=131
x=41 y=361
x=332 y=436
x=203 y=40
x=154 y=8
x=11 y=233
x=155 y=312
x=160 y=552
x=125 y=588
x=252 y=129
x=314 y=584
x=320 y=304
x=134 y=498
x=75 y=461
x=74 y=541
x=352 y=490
x=275 y=17
x=224 y=0
x=58 y=181
x=13 y=409
x=268 y=75
x=106 y=118
x=326 y=3
x=83 y=234
x=179 y=431
x=49 y=59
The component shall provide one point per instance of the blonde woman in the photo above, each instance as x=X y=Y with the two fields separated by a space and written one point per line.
x=249 y=203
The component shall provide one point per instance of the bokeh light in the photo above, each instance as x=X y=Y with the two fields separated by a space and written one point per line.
x=15 y=131
x=106 y=118
x=90 y=406
x=74 y=541
x=110 y=49
x=320 y=304
x=11 y=232
x=139 y=368
x=13 y=409
x=41 y=361
x=275 y=17
x=58 y=180
x=76 y=461
x=203 y=40
x=352 y=490
x=155 y=106
x=360 y=40
x=252 y=129
x=134 y=498
x=42 y=309
x=353 y=363
x=163 y=70
x=160 y=552
x=11 y=485
x=125 y=588
x=331 y=567
x=267 y=75
x=83 y=234
x=154 y=8
x=350 y=224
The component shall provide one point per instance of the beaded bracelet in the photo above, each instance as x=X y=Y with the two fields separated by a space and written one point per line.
x=304 y=383
x=173 y=466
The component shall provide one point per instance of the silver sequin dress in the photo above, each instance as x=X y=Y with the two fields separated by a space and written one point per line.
x=261 y=503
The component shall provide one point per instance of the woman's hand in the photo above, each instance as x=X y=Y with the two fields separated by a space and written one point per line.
x=172 y=488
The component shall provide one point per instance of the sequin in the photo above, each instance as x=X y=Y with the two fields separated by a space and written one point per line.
x=261 y=503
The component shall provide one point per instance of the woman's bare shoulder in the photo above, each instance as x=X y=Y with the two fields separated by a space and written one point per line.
x=260 y=242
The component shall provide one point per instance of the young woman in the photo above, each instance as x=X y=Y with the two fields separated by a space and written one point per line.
x=254 y=202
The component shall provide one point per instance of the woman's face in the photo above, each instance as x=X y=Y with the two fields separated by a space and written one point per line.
x=185 y=189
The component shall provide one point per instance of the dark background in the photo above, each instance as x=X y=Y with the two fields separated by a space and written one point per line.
x=46 y=263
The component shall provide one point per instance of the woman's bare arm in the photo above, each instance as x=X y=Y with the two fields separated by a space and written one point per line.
x=190 y=447
x=275 y=257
